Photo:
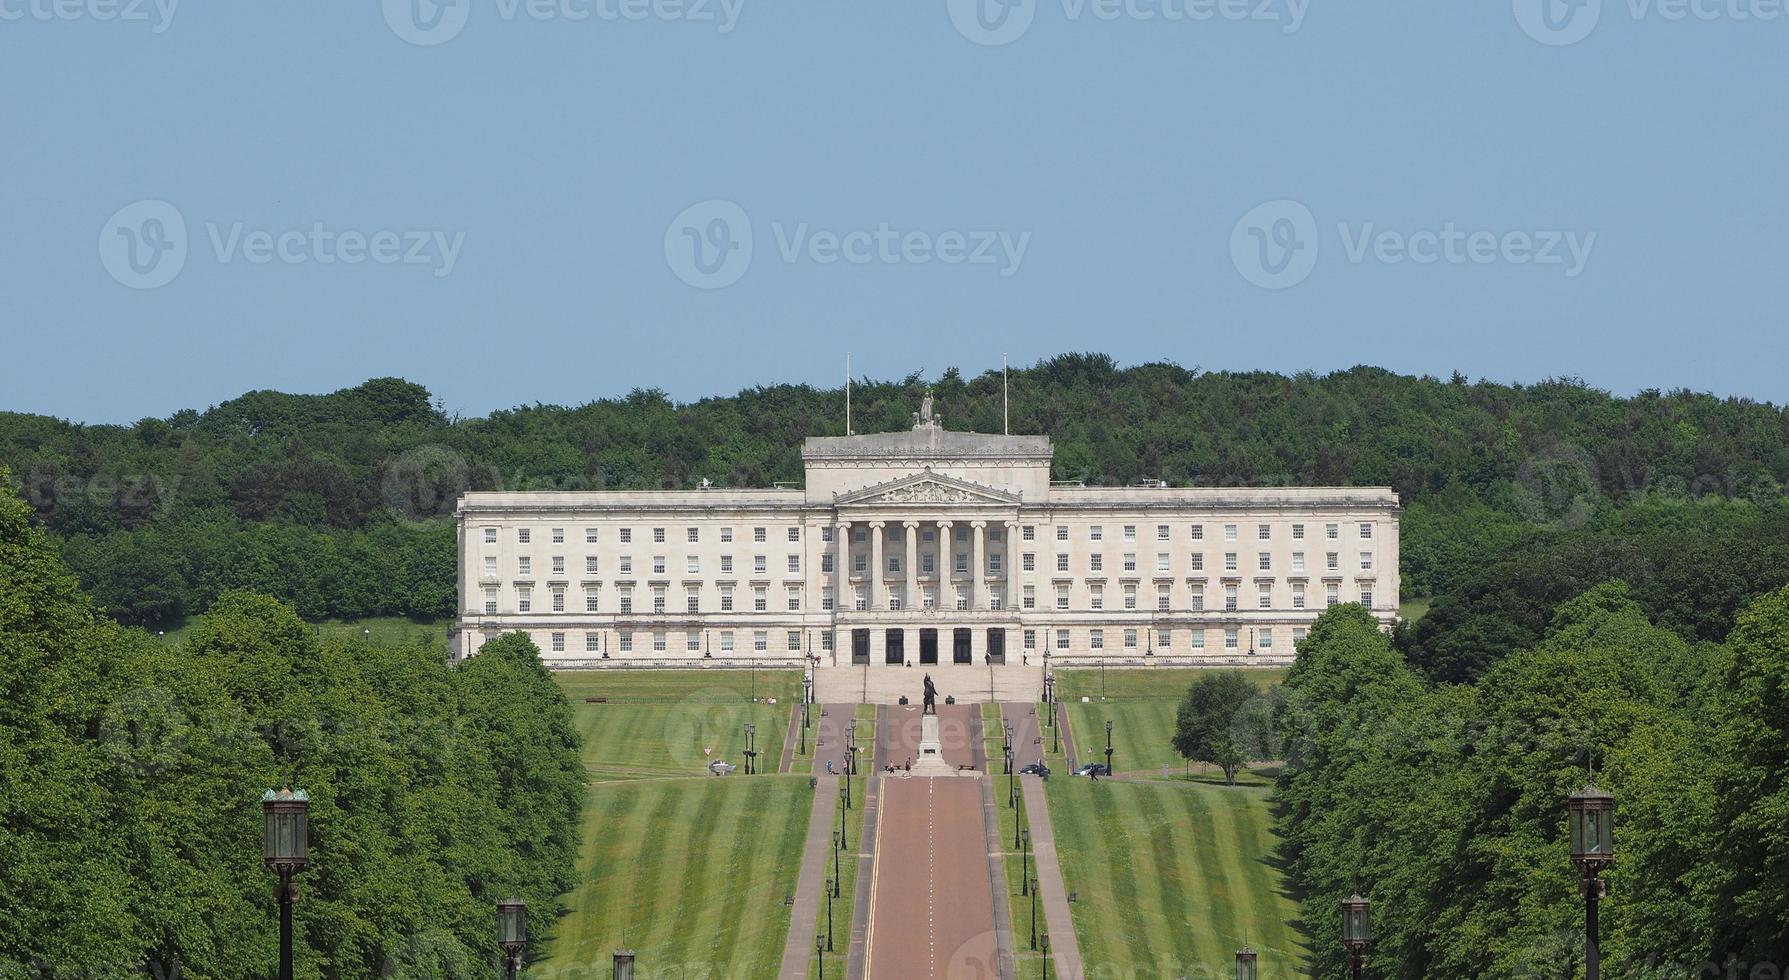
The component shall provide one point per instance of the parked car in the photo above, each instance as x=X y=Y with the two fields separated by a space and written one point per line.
x=1035 y=769
x=720 y=767
x=1093 y=769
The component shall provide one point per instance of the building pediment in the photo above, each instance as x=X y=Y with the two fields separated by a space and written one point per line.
x=927 y=488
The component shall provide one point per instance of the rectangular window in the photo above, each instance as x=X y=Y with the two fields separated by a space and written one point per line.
x=1266 y=639
x=894 y=564
x=591 y=599
x=1298 y=595
x=558 y=600
x=1130 y=561
x=1264 y=562
x=1298 y=634
x=826 y=598
x=627 y=535
x=1062 y=639
x=860 y=599
x=1230 y=598
x=826 y=642
x=692 y=642
x=1130 y=639
x=591 y=644
x=1030 y=597
x=1161 y=561
x=726 y=641
x=726 y=564
x=590 y=564
x=658 y=641
x=794 y=641
x=1332 y=594
x=490 y=602
x=1164 y=639
x=1298 y=561
x=1332 y=531
x=1366 y=595
x=1096 y=562
x=590 y=535
x=1229 y=561
x=525 y=565
x=1030 y=639
x=795 y=533
x=1062 y=563
x=1096 y=532
x=1230 y=642
x=1198 y=532
x=627 y=601
x=1161 y=532
x=1298 y=532
x=692 y=565
x=490 y=535
x=826 y=534
x=1130 y=597
x=1333 y=560
x=1366 y=529
x=1198 y=561
x=522 y=535
x=726 y=535
x=1264 y=532
x=491 y=565
x=760 y=599
x=658 y=564
x=626 y=643
x=1197 y=599
x=1198 y=640
x=1164 y=596
x=1265 y=595
x=1029 y=532
x=761 y=641
x=1229 y=532
x=558 y=564
x=559 y=535
x=962 y=562
x=860 y=564
x=794 y=597
x=692 y=602
x=1096 y=596
x=962 y=598
x=1096 y=639
x=1366 y=561
x=758 y=534
x=558 y=642
x=760 y=564
x=692 y=535
x=928 y=563
x=1062 y=532
x=1030 y=561
x=1062 y=596
x=726 y=598
x=995 y=561
x=524 y=600
x=627 y=564
x=826 y=563
x=658 y=535
x=1130 y=532
x=794 y=564
x=658 y=600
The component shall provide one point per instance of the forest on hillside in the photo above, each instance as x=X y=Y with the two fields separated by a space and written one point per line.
x=1517 y=496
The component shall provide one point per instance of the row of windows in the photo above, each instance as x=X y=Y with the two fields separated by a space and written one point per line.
x=1127 y=562
x=1095 y=532
x=1129 y=639
x=896 y=598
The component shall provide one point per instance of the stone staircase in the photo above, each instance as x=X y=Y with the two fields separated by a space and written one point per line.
x=968 y=683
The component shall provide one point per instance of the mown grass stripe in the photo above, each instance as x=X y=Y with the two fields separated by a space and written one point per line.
x=1166 y=828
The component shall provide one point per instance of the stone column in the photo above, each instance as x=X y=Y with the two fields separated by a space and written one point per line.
x=912 y=600
x=978 y=566
x=876 y=530
x=1012 y=564
x=841 y=571
x=947 y=598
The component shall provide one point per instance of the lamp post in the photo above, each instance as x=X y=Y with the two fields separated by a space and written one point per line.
x=624 y=964
x=843 y=840
x=838 y=851
x=1044 y=940
x=512 y=934
x=1592 y=818
x=1033 y=891
x=285 y=848
x=831 y=887
x=820 y=953
x=1024 y=862
x=1357 y=932
x=1245 y=964
x=1109 y=771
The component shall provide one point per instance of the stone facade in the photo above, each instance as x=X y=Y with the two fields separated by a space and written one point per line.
x=917 y=548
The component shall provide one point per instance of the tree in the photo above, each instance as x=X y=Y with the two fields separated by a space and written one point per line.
x=1205 y=728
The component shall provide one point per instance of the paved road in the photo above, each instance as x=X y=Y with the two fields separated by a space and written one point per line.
x=816 y=864
x=932 y=911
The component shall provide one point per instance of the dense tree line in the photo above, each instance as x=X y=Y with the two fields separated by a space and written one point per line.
x=336 y=502
x=131 y=773
x=1446 y=803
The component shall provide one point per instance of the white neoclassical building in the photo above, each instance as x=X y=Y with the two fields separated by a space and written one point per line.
x=951 y=551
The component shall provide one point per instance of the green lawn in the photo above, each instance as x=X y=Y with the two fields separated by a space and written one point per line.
x=1156 y=684
x=1172 y=878
x=662 y=723
x=1414 y=609
x=689 y=873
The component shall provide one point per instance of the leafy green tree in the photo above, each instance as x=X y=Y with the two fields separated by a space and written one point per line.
x=1205 y=728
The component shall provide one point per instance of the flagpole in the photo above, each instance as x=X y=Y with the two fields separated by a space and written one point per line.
x=1006 y=426
x=848 y=394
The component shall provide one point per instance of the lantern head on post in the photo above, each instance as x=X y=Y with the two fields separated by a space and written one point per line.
x=285 y=837
x=512 y=925
x=1245 y=964
x=1357 y=923
x=1593 y=829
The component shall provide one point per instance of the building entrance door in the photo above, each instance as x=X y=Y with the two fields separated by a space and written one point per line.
x=959 y=652
x=895 y=647
x=860 y=646
x=997 y=645
x=928 y=646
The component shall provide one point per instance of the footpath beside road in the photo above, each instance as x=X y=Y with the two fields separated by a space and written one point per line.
x=798 y=949
x=1065 y=950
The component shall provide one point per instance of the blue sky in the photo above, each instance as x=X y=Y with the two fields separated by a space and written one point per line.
x=563 y=199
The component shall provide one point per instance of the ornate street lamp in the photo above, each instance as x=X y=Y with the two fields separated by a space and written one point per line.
x=1245 y=964
x=624 y=964
x=1109 y=771
x=1592 y=818
x=285 y=848
x=1357 y=932
x=820 y=953
x=512 y=933
x=1044 y=943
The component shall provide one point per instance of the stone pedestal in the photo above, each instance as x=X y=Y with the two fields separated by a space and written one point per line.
x=931 y=752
